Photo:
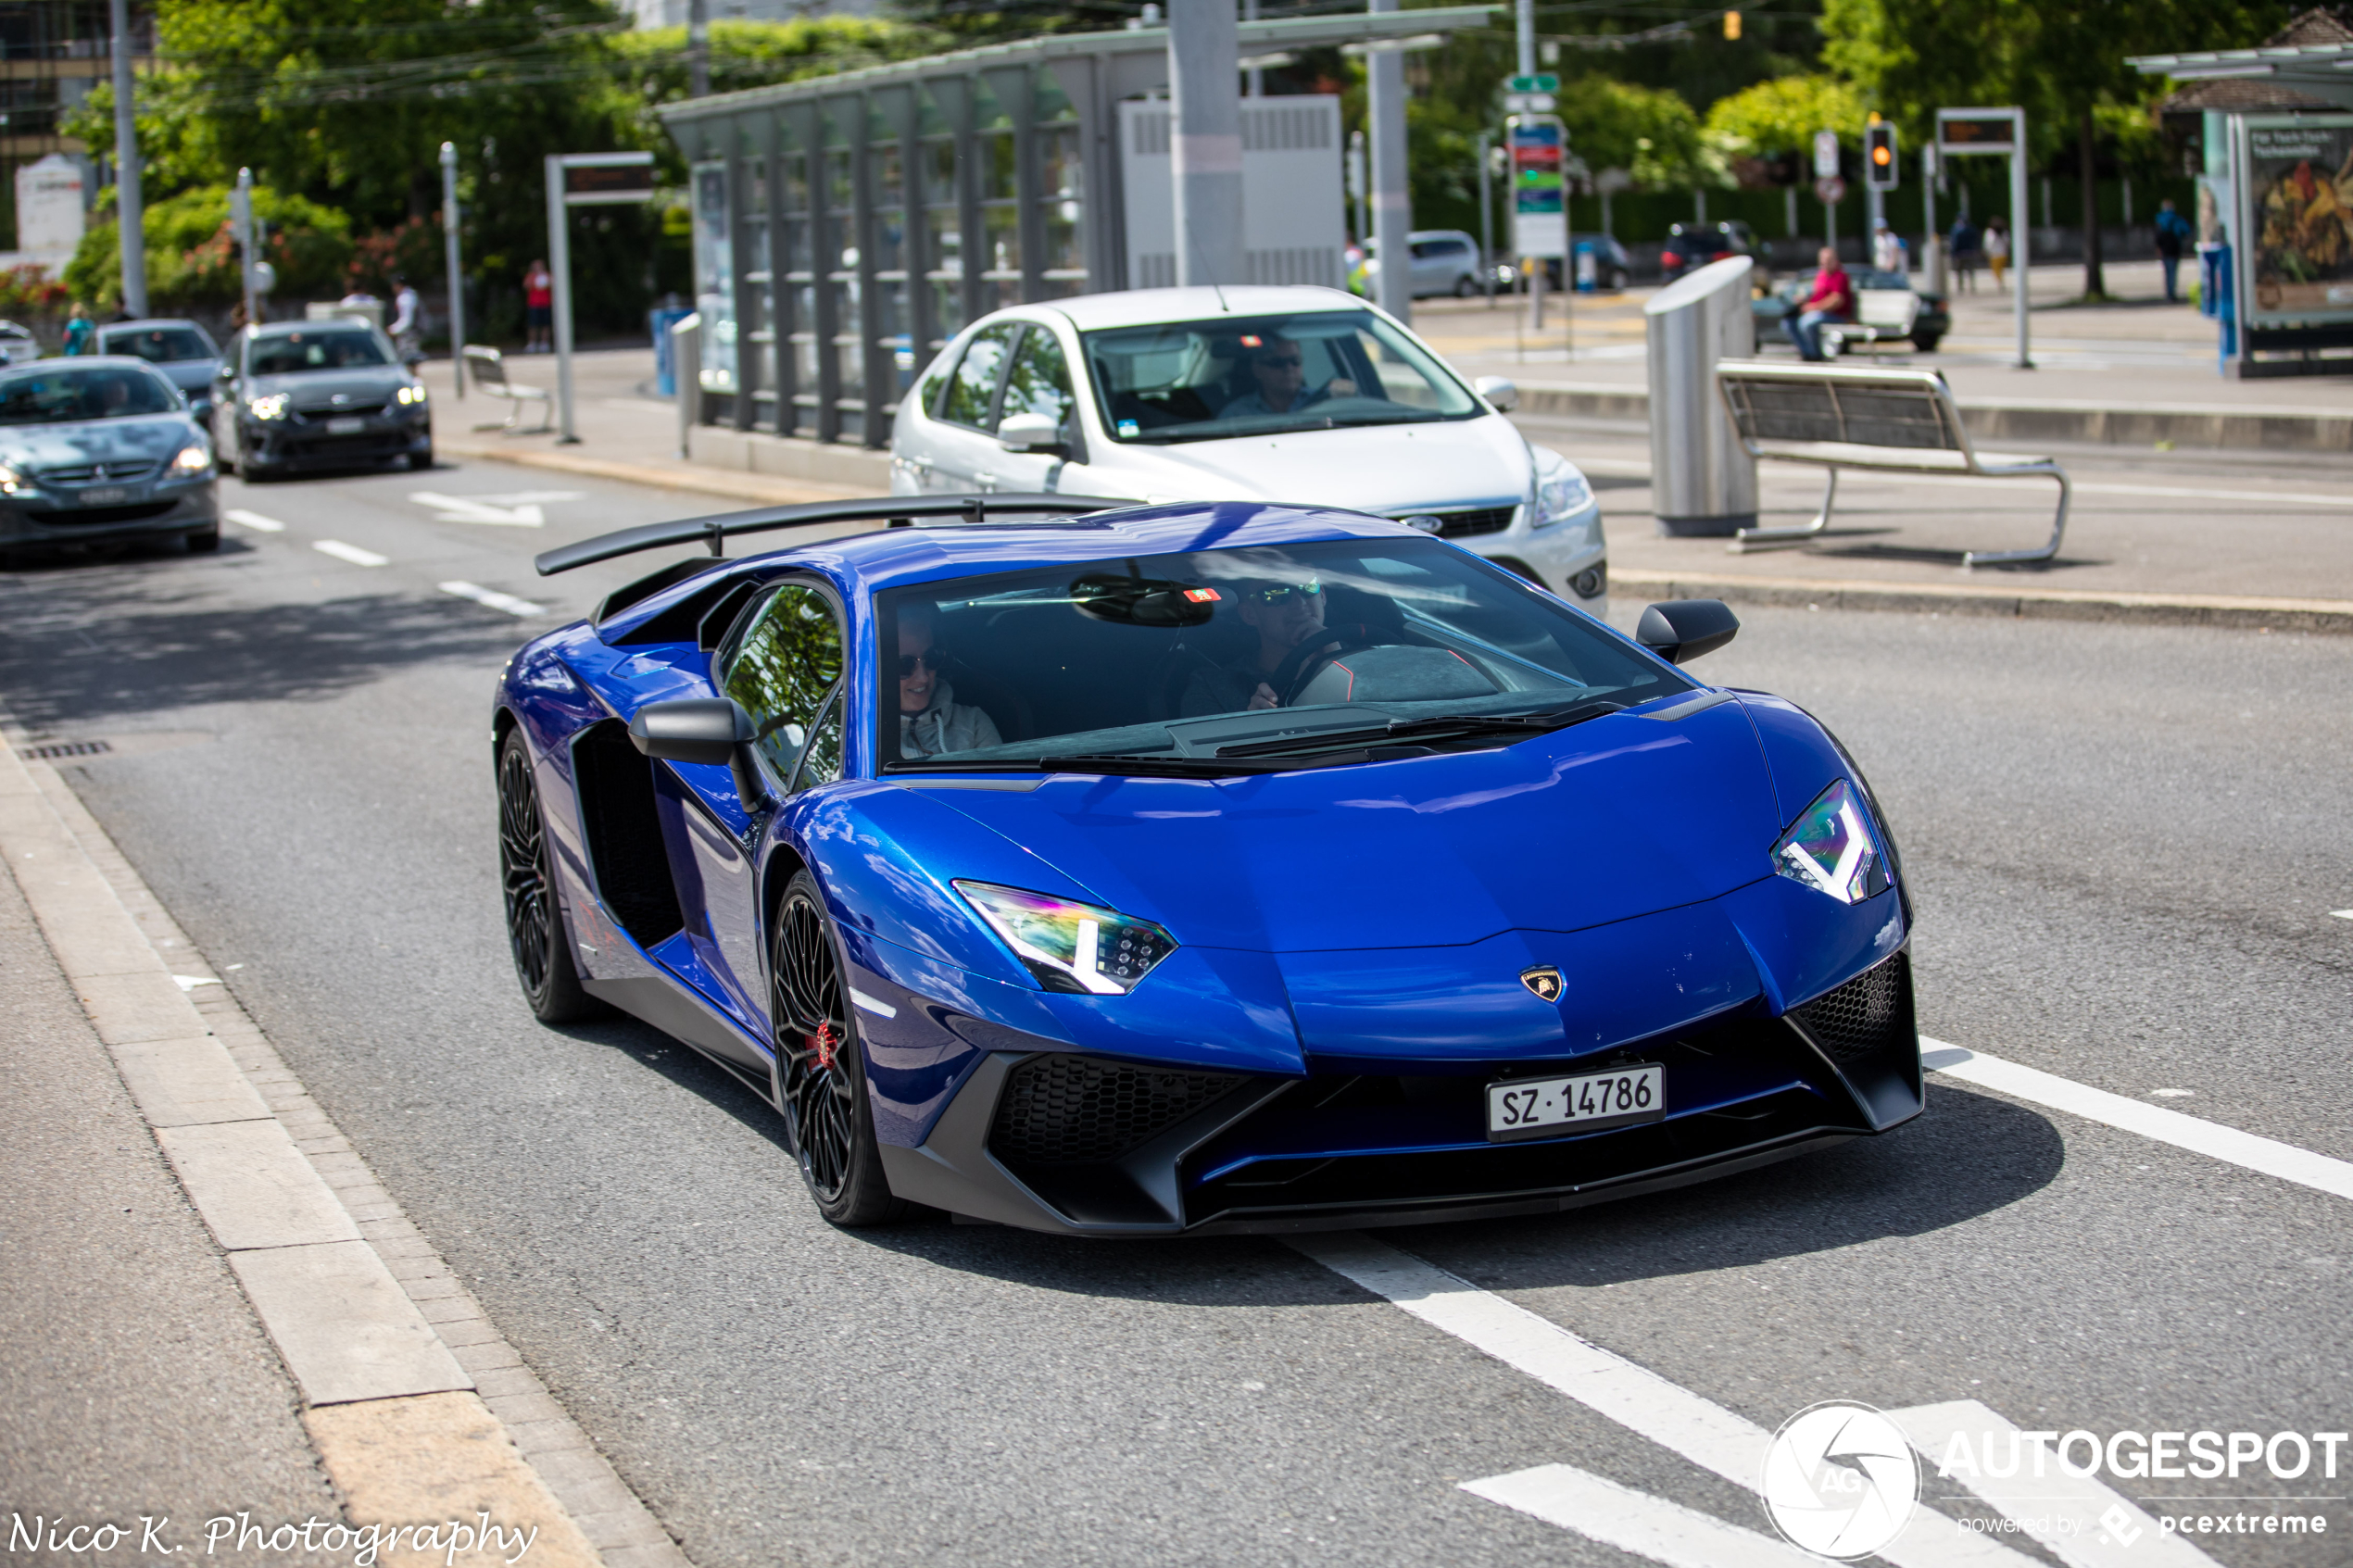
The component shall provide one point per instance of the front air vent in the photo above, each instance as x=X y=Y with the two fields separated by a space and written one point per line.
x=1866 y=1015
x=1079 y=1110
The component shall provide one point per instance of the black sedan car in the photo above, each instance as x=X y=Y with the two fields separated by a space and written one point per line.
x=1930 y=324
x=184 y=351
x=100 y=451
x=1693 y=246
x=318 y=395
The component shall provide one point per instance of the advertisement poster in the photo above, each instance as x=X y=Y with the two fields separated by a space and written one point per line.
x=2300 y=189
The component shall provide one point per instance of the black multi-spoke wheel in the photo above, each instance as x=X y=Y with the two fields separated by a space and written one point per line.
x=821 y=1079
x=535 y=926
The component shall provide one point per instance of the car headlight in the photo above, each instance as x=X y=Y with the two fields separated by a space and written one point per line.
x=1831 y=848
x=271 y=407
x=191 y=459
x=410 y=394
x=1561 y=494
x=11 y=481
x=1070 y=945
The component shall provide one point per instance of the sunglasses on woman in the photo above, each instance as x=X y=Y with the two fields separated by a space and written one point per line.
x=933 y=659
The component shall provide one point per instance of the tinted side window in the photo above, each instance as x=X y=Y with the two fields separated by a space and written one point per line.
x=780 y=667
x=1039 y=381
x=975 y=383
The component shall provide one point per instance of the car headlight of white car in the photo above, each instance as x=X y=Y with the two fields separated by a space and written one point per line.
x=1561 y=491
x=191 y=459
x=271 y=407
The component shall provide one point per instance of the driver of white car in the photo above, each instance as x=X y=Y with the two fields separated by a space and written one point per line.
x=1280 y=368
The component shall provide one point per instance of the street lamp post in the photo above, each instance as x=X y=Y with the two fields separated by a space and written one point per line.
x=449 y=256
x=129 y=209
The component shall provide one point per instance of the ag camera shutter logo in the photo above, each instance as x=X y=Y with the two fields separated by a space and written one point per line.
x=1840 y=1480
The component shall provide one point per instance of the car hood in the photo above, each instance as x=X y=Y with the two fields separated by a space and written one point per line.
x=190 y=376
x=154 y=436
x=1613 y=819
x=317 y=389
x=1386 y=468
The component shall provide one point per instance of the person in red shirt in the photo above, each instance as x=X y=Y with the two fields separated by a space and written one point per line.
x=539 y=308
x=1832 y=299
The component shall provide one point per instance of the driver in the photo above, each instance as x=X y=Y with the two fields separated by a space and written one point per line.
x=930 y=718
x=1284 y=613
x=1282 y=384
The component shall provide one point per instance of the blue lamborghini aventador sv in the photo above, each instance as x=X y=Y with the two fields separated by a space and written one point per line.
x=1199 y=867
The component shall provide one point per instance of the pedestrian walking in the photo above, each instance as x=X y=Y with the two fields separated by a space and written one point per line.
x=1888 y=252
x=77 y=328
x=1963 y=242
x=539 y=310
x=1997 y=247
x=405 y=326
x=2172 y=234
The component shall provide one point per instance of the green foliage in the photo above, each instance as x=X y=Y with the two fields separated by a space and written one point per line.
x=1781 y=116
x=192 y=260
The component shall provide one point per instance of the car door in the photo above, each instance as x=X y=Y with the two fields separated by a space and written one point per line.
x=781 y=665
x=1038 y=381
x=964 y=451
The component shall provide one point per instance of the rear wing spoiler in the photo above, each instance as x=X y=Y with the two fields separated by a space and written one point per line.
x=902 y=512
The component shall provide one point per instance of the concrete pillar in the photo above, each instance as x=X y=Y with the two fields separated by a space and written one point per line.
x=1392 y=208
x=1204 y=87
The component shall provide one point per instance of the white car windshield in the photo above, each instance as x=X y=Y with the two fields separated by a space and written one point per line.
x=1249 y=375
x=1241 y=660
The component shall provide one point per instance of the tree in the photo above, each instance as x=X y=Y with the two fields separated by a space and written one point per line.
x=193 y=261
x=1778 y=119
x=2064 y=64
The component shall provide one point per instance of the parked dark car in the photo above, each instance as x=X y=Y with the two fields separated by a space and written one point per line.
x=318 y=395
x=184 y=351
x=101 y=450
x=1928 y=324
x=1696 y=245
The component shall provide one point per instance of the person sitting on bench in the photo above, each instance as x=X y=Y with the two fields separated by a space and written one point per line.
x=1832 y=299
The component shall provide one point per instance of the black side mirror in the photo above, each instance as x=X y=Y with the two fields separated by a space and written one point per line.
x=1680 y=630
x=709 y=730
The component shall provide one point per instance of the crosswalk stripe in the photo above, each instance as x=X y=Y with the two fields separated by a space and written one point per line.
x=1665 y=1532
x=495 y=599
x=1633 y=1395
x=351 y=553
x=254 y=521
x=2266 y=1156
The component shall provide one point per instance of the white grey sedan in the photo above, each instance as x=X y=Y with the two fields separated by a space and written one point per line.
x=1292 y=394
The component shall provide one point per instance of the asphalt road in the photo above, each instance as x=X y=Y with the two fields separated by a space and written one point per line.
x=2125 y=845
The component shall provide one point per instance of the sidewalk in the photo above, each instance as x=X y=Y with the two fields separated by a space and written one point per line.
x=2184 y=537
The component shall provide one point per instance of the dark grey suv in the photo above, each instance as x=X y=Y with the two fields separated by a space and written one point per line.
x=318 y=395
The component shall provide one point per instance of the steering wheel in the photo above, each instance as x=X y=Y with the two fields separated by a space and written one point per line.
x=1306 y=661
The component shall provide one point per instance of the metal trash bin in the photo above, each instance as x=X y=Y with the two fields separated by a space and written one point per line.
x=1703 y=481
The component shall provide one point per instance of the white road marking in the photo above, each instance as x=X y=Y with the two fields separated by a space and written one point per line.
x=879 y=1009
x=254 y=521
x=190 y=982
x=1636 y=1521
x=2078 y=1519
x=2267 y=1155
x=2173 y=1094
x=351 y=553
x=1633 y=1395
x=2342 y=914
x=520 y=513
x=493 y=598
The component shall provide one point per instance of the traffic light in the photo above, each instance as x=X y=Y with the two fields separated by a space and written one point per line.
x=1732 y=26
x=1878 y=155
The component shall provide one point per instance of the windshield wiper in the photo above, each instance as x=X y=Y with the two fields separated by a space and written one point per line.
x=1443 y=726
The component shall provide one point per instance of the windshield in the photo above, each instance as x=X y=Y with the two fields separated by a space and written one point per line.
x=158 y=345
x=1249 y=375
x=295 y=352
x=1164 y=659
x=56 y=397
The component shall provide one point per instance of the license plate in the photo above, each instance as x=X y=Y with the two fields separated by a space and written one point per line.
x=107 y=496
x=350 y=424
x=1535 y=1108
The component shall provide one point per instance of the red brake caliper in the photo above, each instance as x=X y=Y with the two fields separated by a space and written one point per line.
x=824 y=1043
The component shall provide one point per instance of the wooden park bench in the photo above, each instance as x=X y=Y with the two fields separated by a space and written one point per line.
x=1846 y=416
x=486 y=368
